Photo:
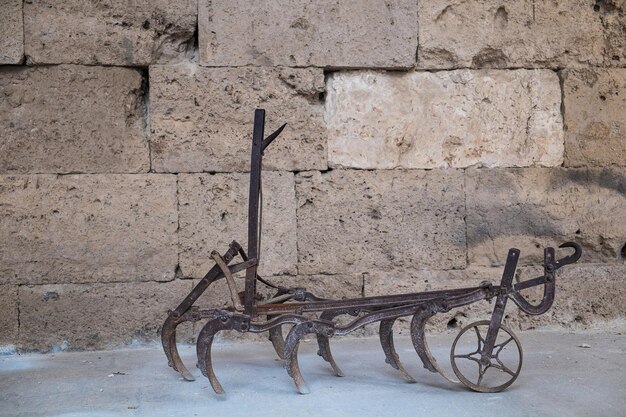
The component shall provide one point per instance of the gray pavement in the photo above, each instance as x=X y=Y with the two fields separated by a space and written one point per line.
x=564 y=374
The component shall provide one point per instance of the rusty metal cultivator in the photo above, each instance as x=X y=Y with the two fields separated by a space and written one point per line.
x=294 y=307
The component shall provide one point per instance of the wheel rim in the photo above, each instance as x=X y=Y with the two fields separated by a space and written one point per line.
x=503 y=366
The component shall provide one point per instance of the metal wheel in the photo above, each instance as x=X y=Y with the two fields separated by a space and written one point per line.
x=486 y=373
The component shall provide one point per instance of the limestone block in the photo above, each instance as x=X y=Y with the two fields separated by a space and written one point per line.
x=11 y=32
x=201 y=118
x=379 y=120
x=68 y=119
x=595 y=117
x=301 y=33
x=96 y=316
x=501 y=34
x=87 y=228
x=214 y=212
x=115 y=32
x=534 y=208
x=586 y=295
x=8 y=318
x=355 y=221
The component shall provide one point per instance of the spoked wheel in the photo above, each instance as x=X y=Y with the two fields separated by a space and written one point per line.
x=486 y=374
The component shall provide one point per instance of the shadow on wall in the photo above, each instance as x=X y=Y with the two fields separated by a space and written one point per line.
x=534 y=208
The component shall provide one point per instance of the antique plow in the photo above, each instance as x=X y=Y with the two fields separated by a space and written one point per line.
x=491 y=364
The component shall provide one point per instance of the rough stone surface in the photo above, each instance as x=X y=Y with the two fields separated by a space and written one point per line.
x=201 y=118
x=214 y=212
x=379 y=120
x=96 y=316
x=87 y=228
x=613 y=17
x=115 y=32
x=595 y=117
x=402 y=168
x=11 y=32
x=534 y=208
x=66 y=119
x=357 y=221
x=8 y=318
x=499 y=34
x=319 y=33
x=586 y=295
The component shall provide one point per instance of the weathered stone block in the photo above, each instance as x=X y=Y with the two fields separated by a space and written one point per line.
x=501 y=34
x=201 y=118
x=214 y=212
x=11 y=32
x=356 y=221
x=595 y=117
x=115 y=32
x=586 y=294
x=87 y=228
x=379 y=120
x=96 y=316
x=534 y=208
x=318 y=33
x=8 y=318
x=67 y=118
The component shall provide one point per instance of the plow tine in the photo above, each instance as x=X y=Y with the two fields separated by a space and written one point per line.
x=418 y=325
x=324 y=351
x=386 y=341
x=168 y=340
x=323 y=342
x=276 y=337
x=203 y=350
x=297 y=332
x=291 y=356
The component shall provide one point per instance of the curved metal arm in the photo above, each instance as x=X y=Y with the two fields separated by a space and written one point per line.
x=548 y=288
x=571 y=258
x=270 y=138
x=548 y=280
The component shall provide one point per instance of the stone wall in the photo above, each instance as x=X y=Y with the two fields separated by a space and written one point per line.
x=424 y=139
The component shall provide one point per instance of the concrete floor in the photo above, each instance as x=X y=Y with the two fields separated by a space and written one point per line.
x=561 y=376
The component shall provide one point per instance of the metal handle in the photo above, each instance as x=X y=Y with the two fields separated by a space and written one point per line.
x=548 y=280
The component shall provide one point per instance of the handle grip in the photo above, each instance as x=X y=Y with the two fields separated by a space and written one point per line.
x=548 y=280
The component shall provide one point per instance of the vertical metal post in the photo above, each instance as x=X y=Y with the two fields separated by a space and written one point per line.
x=498 y=310
x=253 y=208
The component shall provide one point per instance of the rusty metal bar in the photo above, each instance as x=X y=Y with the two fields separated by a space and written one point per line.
x=253 y=208
x=364 y=302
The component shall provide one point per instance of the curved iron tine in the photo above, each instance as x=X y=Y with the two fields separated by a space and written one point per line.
x=203 y=349
x=386 y=340
x=291 y=348
x=323 y=343
x=418 y=325
x=324 y=351
x=276 y=337
x=291 y=355
x=168 y=340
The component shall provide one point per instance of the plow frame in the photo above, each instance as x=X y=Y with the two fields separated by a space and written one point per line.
x=289 y=305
